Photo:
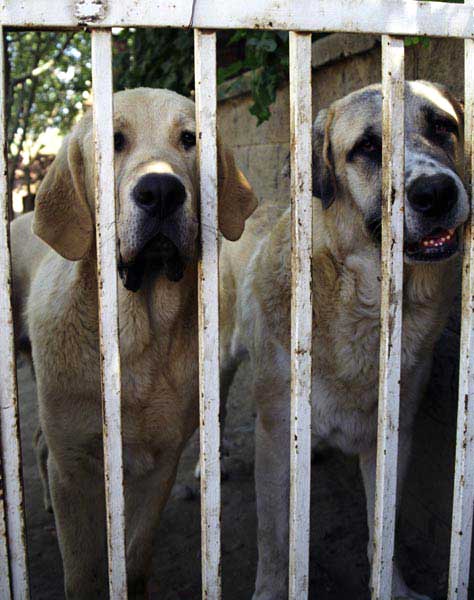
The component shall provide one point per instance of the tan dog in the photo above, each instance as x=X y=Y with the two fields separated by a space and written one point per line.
x=56 y=290
x=255 y=299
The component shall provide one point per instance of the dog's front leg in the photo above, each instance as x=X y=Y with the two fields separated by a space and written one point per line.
x=79 y=510
x=367 y=462
x=145 y=499
x=272 y=481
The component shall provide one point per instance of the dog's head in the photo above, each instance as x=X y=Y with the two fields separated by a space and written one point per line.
x=156 y=188
x=347 y=167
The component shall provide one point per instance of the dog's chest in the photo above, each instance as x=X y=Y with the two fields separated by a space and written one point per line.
x=158 y=372
x=346 y=360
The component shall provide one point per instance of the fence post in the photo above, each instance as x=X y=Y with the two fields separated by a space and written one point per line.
x=393 y=195
x=461 y=528
x=9 y=418
x=106 y=237
x=208 y=283
x=301 y=311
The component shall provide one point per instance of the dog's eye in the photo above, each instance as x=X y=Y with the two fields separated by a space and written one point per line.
x=188 y=139
x=369 y=146
x=119 y=141
x=443 y=128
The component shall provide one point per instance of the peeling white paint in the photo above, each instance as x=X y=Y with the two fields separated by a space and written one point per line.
x=393 y=194
x=301 y=311
x=108 y=309
x=208 y=281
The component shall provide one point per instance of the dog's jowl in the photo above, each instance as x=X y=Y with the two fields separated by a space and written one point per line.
x=255 y=298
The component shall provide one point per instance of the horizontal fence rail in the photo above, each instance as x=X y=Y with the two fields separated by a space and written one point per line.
x=108 y=309
x=391 y=17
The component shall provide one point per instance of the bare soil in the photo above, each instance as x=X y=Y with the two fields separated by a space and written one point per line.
x=339 y=568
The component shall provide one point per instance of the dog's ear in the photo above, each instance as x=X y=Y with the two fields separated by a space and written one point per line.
x=62 y=216
x=324 y=180
x=456 y=102
x=236 y=198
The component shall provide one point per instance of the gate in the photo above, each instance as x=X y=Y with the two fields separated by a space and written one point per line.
x=392 y=19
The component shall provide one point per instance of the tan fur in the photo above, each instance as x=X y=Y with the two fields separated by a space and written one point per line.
x=158 y=335
x=255 y=310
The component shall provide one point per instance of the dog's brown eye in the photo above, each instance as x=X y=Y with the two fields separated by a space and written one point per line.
x=441 y=129
x=188 y=139
x=368 y=146
x=444 y=128
x=119 y=141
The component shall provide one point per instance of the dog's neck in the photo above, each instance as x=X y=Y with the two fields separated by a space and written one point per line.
x=160 y=303
x=348 y=245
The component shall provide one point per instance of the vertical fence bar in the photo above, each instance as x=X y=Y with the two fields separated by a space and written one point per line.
x=393 y=192
x=208 y=281
x=301 y=312
x=461 y=529
x=10 y=431
x=108 y=308
x=5 y=589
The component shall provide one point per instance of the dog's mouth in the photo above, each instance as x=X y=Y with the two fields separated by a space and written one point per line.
x=438 y=245
x=160 y=256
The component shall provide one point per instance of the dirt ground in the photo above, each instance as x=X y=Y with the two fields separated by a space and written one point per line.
x=339 y=568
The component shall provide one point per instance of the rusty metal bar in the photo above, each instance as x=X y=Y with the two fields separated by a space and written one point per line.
x=461 y=530
x=10 y=430
x=108 y=308
x=393 y=193
x=301 y=311
x=208 y=281
x=392 y=17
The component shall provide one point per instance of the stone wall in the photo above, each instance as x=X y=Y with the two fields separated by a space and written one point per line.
x=342 y=63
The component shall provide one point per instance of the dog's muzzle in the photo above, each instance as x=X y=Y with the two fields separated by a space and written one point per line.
x=434 y=199
x=158 y=197
x=159 y=194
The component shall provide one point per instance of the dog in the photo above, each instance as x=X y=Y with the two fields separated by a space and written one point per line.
x=56 y=308
x=256 y=290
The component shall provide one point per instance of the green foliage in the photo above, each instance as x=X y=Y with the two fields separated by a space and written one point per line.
x=266 y=57
x=154 y=58
x=164 y=58
x=47 y=76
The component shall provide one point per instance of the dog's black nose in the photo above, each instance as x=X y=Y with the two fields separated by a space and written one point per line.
x=433 y=195
x=159 y=194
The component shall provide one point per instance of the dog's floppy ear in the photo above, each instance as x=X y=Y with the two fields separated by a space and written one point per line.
x=236 y=198
x=62 y=216
x=324 y=180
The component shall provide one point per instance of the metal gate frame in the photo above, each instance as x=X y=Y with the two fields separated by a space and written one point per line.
x=390 y=18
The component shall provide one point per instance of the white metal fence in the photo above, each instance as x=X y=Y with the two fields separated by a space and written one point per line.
x=390 y=18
